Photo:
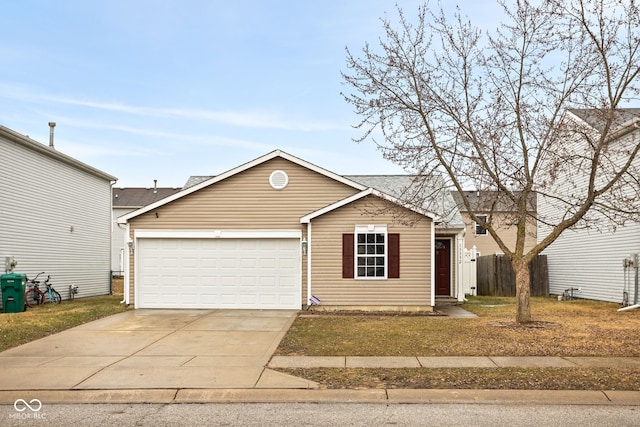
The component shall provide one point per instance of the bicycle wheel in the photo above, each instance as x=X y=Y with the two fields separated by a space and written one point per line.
x=29 y=298
x=56 y=296
x=33 y=297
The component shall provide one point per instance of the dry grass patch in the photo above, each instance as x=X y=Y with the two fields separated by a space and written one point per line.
x=47 y=319
x=570 y=328
x=477 y=379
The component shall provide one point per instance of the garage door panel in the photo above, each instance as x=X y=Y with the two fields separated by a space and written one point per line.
x=219 y=273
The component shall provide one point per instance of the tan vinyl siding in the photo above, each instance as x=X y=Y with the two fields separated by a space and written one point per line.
x=508 y=233
x=246 y=201
x=413 y=288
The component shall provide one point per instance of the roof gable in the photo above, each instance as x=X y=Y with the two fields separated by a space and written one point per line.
x=237 y=170
x=369 y=191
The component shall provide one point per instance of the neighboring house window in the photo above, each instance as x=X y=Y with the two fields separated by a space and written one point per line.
x=480 y=230
x=371 y=253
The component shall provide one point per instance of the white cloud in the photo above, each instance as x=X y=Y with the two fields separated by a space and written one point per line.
x=248 y=119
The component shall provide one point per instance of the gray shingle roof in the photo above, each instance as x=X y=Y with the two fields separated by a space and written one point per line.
x=490 y=201
x=595 y=117
x=139 y=197
x=195 y=180
x=429 y=193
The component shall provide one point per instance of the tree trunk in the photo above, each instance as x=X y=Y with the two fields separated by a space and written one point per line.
x=523 y=291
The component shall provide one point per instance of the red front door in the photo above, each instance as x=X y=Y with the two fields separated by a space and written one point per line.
x=443 y=267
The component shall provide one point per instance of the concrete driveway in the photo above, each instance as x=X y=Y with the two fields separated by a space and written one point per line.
x=155 y=349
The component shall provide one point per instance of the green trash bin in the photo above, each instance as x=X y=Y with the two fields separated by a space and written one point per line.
x=13 y=287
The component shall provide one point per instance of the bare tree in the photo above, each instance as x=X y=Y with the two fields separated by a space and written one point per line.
x=530 y=108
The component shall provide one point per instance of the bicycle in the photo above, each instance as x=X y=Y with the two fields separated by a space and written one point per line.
x=33 y=295
x=51 y=295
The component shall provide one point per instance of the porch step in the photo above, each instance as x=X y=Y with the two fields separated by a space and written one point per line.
x=444 y=300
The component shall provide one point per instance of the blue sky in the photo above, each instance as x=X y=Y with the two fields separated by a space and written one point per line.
x=153 y=89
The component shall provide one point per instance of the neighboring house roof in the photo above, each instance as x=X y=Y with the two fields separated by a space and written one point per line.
x=195 y=180
x=139 y=197
x=624 y=117
x=490 y=201
x=27 y=142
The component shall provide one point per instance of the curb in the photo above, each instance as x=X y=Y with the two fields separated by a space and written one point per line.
x=388 y=396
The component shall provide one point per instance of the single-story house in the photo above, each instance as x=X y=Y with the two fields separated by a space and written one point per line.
x=276 y=231
x=56 y=215
x=123 y=201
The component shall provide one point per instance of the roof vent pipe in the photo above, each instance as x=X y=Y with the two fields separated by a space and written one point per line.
x=51 y=126
x=155 y=186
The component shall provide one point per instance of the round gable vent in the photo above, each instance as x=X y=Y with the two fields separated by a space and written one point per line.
x=278 y=179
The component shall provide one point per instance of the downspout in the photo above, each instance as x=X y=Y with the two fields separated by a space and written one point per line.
x=308 y=262
x=459 y=276
x=432 y=263
x=635 y=294
x=127 y=244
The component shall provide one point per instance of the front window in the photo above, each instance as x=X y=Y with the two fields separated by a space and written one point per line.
x=371 y=252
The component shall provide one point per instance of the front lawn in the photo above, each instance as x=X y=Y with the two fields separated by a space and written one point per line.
x=568 y=328
x=47 y=319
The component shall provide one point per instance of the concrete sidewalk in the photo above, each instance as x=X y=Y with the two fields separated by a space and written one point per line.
x=276 y=395
x=451 y=362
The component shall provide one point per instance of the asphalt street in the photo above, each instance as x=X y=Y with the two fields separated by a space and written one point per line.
x=308 y=414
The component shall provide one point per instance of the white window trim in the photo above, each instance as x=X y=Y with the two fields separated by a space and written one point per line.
x=370 y=229
x=476 y=225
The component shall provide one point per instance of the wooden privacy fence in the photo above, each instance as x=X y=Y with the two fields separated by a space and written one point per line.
x=497 y=278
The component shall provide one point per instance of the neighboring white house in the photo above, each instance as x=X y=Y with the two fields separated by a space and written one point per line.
x=591 y=260
x=55 y=214
x=125 y=200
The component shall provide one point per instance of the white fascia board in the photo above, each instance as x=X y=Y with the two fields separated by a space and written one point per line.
x=369 y=191
x=218 y=234
x=277 y=153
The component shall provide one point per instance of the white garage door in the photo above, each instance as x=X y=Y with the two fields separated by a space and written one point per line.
x=218 y=273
